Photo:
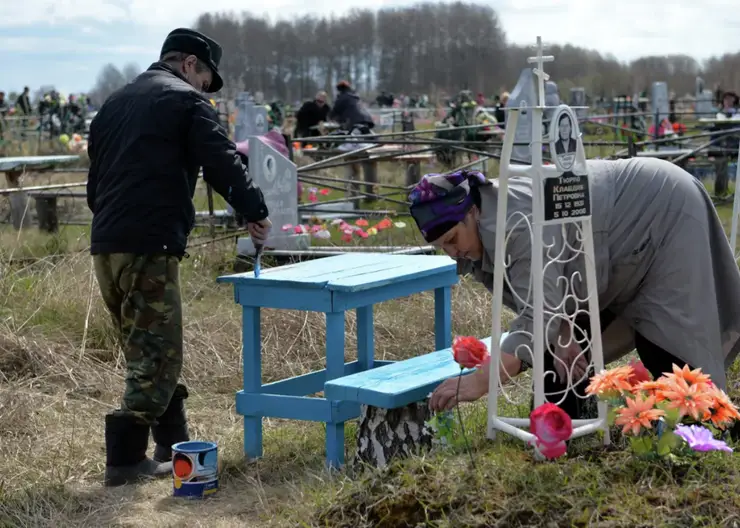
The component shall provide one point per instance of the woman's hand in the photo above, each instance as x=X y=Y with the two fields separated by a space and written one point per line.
x=570 y=355
x=472 y=387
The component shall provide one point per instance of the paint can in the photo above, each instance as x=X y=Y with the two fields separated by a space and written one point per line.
x=194 y=469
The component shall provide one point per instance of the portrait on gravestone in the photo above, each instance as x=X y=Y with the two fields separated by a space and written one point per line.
x=567 y=195
x=563 y=140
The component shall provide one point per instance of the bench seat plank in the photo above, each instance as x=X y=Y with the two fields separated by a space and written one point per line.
x=399 y=383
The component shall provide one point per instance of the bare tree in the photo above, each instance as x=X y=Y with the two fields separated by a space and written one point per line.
x=429 y=48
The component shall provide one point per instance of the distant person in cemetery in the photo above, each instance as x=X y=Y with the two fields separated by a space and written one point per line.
x=147 y=144
x=23 y=103
x=667 y=280
x=730 y=104
x=349 y=111
x=311 y=114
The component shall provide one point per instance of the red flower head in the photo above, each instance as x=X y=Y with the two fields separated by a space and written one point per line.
x=470 y=352
x=550 y=425
x=639 y=373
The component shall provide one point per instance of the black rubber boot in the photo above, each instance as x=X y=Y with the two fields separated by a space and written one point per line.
x=171 y=427
x=126 y=441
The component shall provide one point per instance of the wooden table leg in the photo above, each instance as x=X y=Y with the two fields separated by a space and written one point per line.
x=365 y=337
x=19 y=214
x=370 y=172
x=252 y=372
x=47 y=213
x=334 y=369
x=442 y=318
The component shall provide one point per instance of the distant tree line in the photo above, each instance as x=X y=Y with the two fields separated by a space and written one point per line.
x=430 y=48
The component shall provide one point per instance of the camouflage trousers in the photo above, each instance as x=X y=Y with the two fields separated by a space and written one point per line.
x=142 y=293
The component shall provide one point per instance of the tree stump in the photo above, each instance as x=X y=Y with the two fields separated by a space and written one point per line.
x=46 y=212
x=385 y=434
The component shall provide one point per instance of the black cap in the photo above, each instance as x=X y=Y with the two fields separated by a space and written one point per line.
x=196 y=43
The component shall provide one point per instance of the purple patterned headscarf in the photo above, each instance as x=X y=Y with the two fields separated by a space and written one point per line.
x=440 y=201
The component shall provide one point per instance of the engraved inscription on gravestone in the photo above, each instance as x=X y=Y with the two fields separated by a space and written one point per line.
x=566 y=196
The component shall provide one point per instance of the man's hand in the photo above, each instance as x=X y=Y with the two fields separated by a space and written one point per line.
x=259 y=231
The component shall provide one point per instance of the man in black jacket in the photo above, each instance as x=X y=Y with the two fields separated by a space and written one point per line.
x=310 y=114
x=146 y=146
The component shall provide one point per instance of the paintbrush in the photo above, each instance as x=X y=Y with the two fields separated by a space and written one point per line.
x=257 y=259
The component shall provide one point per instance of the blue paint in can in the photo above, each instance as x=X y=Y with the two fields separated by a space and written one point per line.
x=194 y=469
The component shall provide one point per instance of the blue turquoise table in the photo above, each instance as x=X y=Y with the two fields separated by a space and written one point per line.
x=331 y=285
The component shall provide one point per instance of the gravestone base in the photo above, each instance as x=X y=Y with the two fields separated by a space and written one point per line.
x=387 y=434
x=292 y=242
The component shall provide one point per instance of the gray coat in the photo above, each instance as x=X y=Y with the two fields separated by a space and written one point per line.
x=663 y=263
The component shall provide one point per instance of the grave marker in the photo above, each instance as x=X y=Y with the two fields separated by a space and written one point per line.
x=659 y=102
x=704 y=106
x=277 y=177
x=251 y=119
x=578 y=98
x=523 y=96
x=570 y=249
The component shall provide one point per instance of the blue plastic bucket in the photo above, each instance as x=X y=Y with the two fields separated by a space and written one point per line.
x=194 y=469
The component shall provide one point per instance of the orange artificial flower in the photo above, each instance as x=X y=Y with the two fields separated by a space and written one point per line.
x=362 y=223
x=616 y=379
x=692 y=377
x=638 y=413
x=385 y=223
x=723 y=412
x=690 y=400
x=653 y=388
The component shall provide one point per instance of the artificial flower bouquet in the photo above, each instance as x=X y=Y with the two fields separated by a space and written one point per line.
x=677 y=414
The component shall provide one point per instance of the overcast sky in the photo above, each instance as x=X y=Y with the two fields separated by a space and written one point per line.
x=67 y=42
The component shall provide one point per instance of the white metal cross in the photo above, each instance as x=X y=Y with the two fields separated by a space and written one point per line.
x=539 y=71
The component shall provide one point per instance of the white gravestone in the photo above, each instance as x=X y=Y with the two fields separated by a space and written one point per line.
x=660 y=104
x=251 y=120
x=578 y=99
x=704 y=106
x=560 y=230
x=523 y=96
x=277 y=177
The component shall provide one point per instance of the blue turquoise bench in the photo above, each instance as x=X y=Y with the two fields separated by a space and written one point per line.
x=331 y=285
x=399 y=383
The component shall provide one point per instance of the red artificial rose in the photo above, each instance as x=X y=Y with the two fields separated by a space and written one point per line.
x=470 y=352
x=550 y=425
x=551 y=451
x=639 y=373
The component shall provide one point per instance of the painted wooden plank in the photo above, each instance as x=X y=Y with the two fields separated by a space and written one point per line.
x=350 y=272
x=310 y=273
x=395 y=290
x=398 y=384
x=34 y=162
x=405 y=267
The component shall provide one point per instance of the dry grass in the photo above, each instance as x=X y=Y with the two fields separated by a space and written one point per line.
x=61 y=371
